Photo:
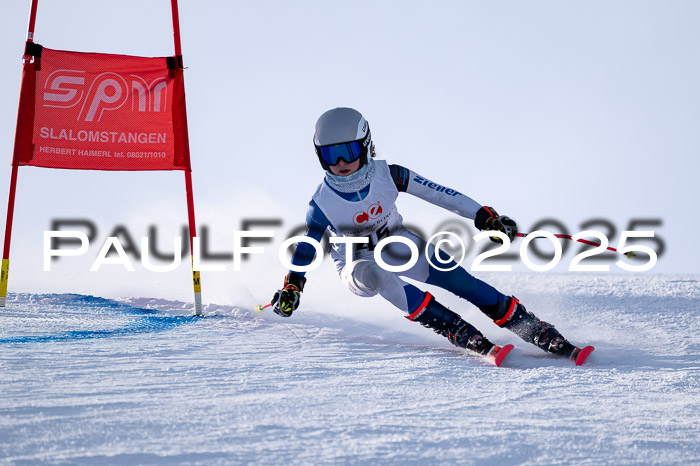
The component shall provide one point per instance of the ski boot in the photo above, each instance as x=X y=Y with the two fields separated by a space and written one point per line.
x=511 y=314
x=433 y=315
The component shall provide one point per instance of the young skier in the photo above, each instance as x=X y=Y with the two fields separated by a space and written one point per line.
x=357 y=199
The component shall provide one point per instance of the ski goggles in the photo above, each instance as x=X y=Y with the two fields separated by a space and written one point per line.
x=347 y=151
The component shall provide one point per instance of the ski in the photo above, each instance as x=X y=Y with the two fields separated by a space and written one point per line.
x=498 y=354
x=580 y=355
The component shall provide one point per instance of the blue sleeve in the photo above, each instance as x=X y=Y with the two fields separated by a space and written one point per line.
x=316 y=225
x=400 y=175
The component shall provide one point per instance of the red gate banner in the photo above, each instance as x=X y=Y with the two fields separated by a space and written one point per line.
x=94 y=111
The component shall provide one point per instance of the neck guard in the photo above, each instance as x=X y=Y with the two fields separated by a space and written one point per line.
x=354 y=182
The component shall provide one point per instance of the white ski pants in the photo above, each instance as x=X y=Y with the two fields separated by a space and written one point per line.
x=364 y=277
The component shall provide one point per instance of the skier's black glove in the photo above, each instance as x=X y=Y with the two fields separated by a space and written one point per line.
x=286 y=300
x=488 y=219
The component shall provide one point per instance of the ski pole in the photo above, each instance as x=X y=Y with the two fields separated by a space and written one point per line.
x=259 y=308
x=584 y=241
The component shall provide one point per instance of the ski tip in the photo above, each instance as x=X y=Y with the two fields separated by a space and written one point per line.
x=500 y=355
x=583 y=355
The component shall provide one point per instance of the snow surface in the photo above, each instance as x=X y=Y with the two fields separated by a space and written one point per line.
x=86 y=380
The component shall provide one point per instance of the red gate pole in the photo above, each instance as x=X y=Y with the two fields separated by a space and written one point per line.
x=5 y=268
x=196 y=280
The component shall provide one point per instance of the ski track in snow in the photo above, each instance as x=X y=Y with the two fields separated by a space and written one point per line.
x=87 y=380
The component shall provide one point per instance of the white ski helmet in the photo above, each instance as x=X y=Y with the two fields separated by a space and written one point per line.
x=342 y=133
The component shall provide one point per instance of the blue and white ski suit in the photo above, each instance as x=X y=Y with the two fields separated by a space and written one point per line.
x=371 y=212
